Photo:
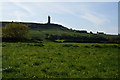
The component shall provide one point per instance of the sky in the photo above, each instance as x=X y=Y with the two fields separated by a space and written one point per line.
x=90 y=16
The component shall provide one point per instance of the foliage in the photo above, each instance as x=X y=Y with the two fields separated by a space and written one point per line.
x=15 y=31
x=69 y=36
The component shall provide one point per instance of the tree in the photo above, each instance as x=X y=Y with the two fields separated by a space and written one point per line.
x=91 y=32
x=15 y=31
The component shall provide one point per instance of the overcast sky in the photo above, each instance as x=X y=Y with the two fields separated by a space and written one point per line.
x=90 y=16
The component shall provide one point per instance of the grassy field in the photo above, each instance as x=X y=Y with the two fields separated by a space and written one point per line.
x=42 y=33
x=59 y=60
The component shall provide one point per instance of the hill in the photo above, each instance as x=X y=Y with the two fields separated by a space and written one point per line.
x=39 y=26
x=59 y=33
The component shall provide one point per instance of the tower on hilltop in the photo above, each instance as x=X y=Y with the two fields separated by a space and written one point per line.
x=48 y=19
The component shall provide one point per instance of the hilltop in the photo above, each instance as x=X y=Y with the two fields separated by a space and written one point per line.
x=39 y=26
x=45 y=26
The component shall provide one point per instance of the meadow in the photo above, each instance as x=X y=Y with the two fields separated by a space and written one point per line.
x=59 y=60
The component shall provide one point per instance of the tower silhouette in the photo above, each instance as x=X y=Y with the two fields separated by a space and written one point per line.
x=48 y=19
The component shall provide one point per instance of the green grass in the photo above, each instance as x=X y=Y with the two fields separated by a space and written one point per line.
x=60 y=60
x=42 y=33
x=73 y=36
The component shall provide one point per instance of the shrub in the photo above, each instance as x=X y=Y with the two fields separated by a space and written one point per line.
x=15 y=31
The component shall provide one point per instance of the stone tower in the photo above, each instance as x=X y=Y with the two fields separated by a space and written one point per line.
x=48 y=19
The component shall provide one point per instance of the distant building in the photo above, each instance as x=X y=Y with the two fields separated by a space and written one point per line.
x=48 y=19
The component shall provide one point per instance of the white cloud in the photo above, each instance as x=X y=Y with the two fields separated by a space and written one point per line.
x=95 y=18
x=85 y=11
x=54 y=8
x=26 y=8
x=21 y=11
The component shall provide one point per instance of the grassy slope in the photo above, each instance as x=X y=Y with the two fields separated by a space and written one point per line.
x=42 y=34
x=63 y=60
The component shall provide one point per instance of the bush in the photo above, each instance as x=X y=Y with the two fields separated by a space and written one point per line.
x=15 y=31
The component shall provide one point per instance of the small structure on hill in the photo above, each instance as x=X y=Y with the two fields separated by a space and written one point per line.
x=48 y=19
